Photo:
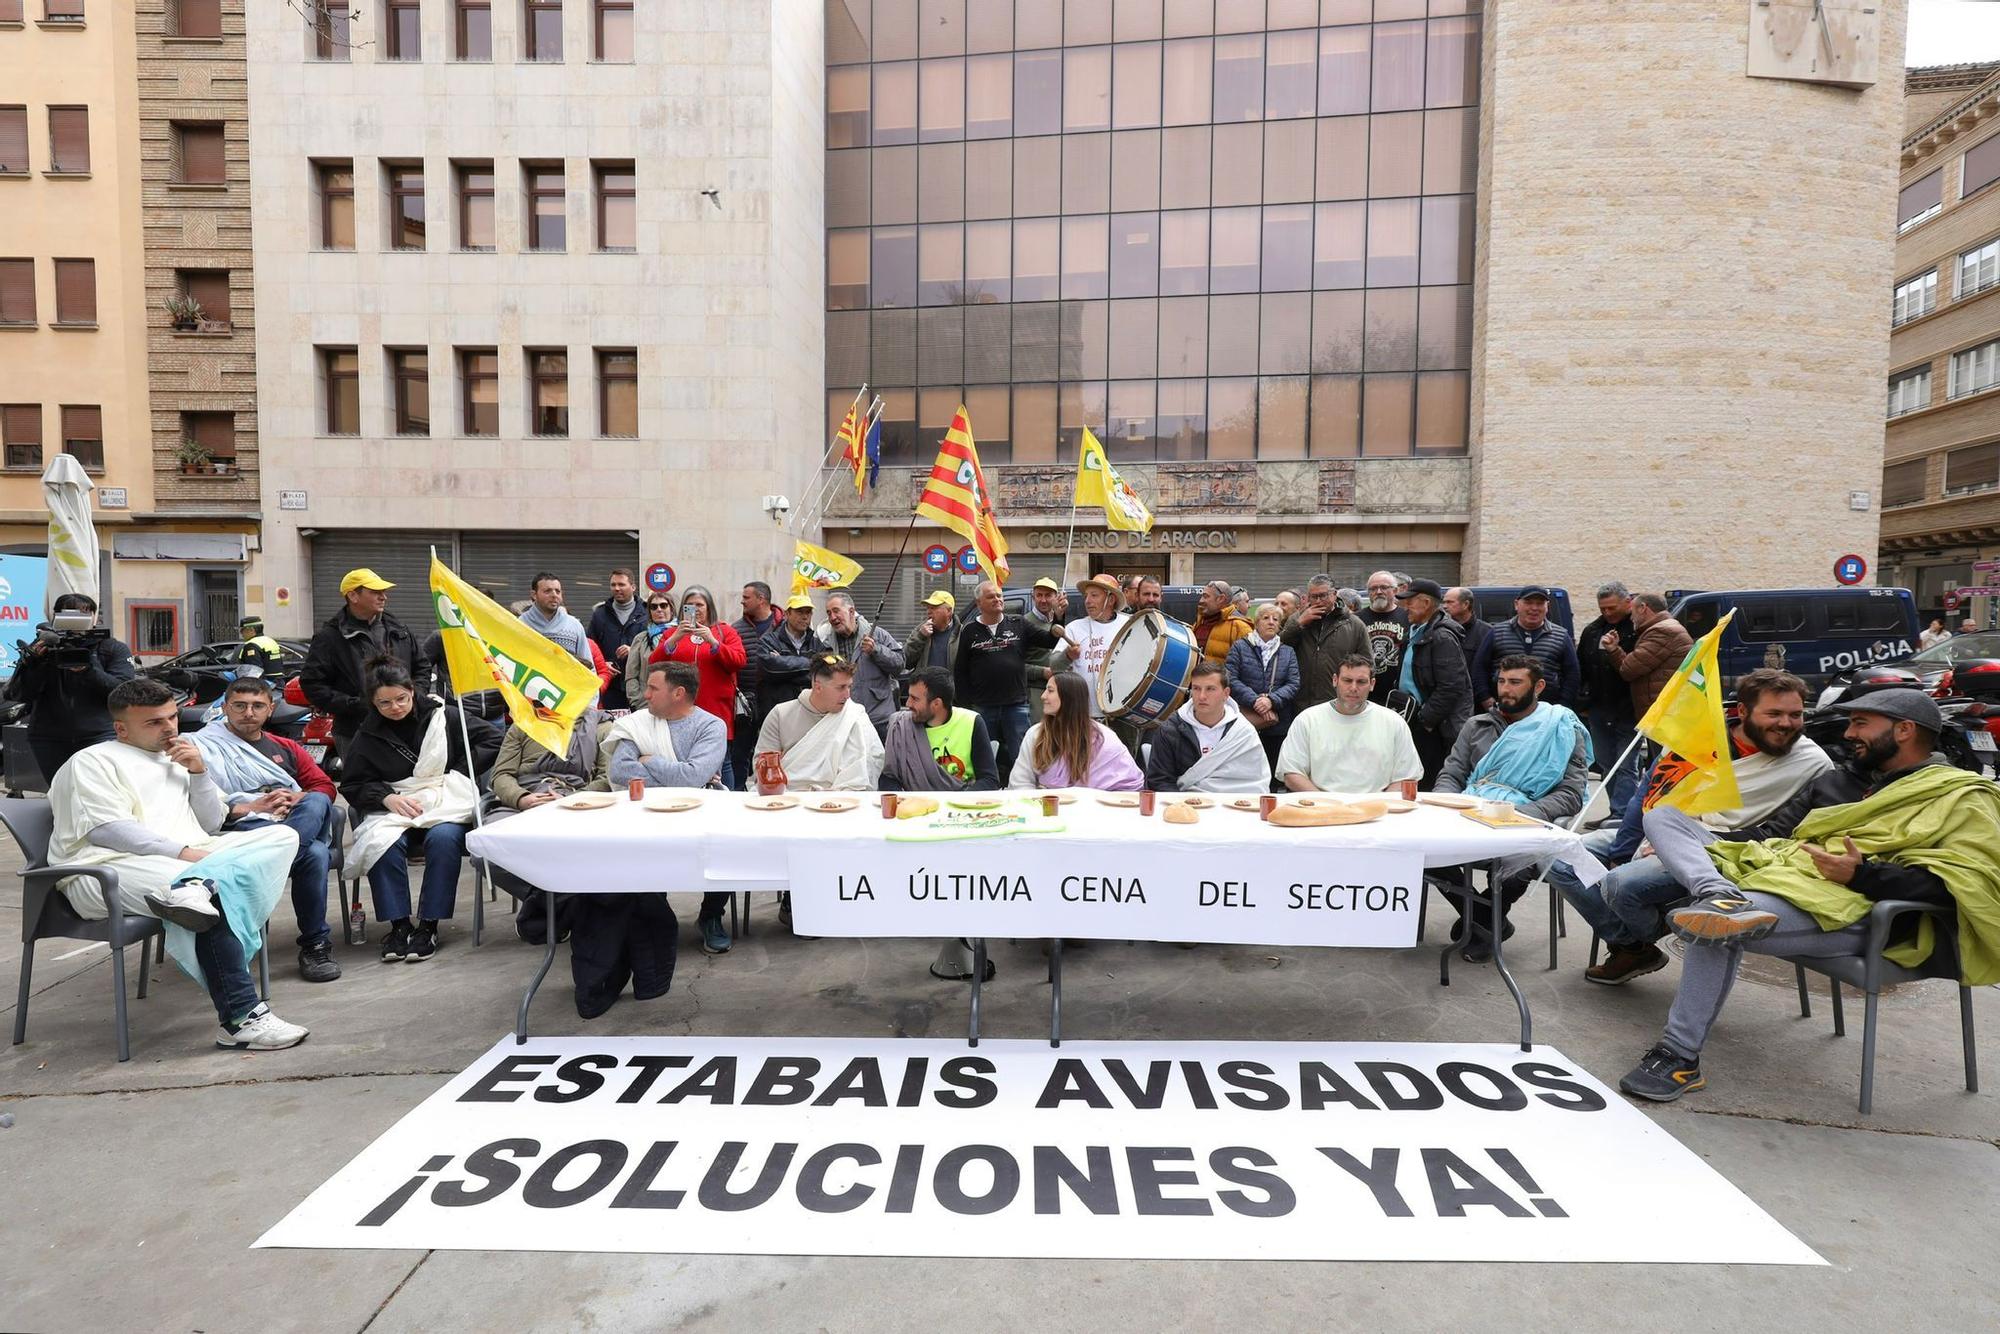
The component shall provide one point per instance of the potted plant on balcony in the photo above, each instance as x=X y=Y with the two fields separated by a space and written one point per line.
x=184 y=311
x=194 y=458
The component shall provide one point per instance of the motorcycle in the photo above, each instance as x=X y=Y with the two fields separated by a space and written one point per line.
x=316 y=733
x=1968 y=740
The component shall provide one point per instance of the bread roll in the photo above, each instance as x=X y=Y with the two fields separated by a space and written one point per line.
x=1181 y=813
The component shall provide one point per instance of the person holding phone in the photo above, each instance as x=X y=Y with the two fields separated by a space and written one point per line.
x=714 y=650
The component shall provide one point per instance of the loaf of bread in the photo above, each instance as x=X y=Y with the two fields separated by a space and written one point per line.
x=1316 y=812
x=1180 y=812
x=910 y=808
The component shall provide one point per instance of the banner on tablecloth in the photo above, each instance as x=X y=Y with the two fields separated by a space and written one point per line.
x=1248 y=896
x=1194 y=1150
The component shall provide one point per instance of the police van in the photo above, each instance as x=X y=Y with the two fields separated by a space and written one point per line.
x=1814 y=633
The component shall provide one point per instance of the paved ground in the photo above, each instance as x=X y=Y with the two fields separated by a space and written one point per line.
x=130 y=1193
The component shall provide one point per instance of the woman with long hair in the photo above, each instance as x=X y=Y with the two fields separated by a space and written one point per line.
x=1070 y=749
x=716 y=652
x=405 y=775
x=659 y=622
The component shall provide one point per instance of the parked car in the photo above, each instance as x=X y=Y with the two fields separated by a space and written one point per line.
x=1928 y=666
x=204 y=673
x=1814 y=633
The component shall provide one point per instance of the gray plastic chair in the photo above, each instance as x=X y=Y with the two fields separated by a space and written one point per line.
x=46 y=914
x=1869 y=972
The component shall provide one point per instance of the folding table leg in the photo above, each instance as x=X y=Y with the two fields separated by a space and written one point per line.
x=978 y=977
x=1055 y=992
x=548 y=958
x=1500 y=957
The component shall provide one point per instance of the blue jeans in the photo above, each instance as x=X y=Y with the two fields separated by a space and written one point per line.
x=1608 y=739
x=220 y=955
x=1628 y=907
x=736 y=774
x=389 y=877
x=1008 y=725
x=311 y=820
x=1631 y=829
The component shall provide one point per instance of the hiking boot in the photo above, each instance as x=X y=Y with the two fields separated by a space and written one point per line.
x=188 y=903
x=1626 y=962
x=1722 y=919
x=1662 y=1075
x=423 y=943
x=316 y=961
x=259 y=1030
x=714 y=936
x=397 y=943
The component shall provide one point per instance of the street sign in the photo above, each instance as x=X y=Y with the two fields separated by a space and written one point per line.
x=291 y=500
x=1986 y=566
x=113 y=498
x=937 y=559
x=1850 y=569
x=1951 y=602
x=968 y=560
x=659 y=576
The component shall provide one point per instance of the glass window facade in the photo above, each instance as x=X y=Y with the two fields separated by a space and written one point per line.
x=1202 y=228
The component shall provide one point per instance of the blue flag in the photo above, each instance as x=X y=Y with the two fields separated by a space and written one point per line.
x=874 y=449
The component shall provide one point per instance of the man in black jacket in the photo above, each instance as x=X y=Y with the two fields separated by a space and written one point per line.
x=1463 y=608
x=337 y=660
x=1434 y=674
x=784 y=658
x=67 y=679
x=1205 y=745
x=1891 y=735
x=990 y=669
x=1533 y=633
x=1605 y=695
x=613 y=626
x=1322 y=633
x=759 y=618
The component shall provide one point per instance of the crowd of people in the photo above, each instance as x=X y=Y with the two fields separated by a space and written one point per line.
x=1396 y=687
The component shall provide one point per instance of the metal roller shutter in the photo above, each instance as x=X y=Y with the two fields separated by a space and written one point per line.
x=914 y=583
x=501 y=564
x=403 y=558
x=1270 y=573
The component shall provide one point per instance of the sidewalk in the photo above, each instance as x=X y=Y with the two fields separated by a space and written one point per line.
x=132 y=1192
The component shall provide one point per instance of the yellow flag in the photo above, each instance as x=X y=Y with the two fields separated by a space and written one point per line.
x=816 y=567
x=1098 y=483
x=1687 y=718
x=488 y=648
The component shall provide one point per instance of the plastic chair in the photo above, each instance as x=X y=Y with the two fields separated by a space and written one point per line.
x=47 y=915
x=1869 y=972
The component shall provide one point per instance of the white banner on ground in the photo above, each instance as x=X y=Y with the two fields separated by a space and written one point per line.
x=1252 y=896
x=1195 y=1150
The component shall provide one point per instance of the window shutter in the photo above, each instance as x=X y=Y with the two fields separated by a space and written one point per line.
x=200 y=18
x=62 y=9
x=69 y=139
x=201 y=154
x=76 y=291
x=17 y=291
x=13 y=134
x=1920 y=196
x=216 y=433
x=212 y=291
x=10 y=11
x=21 y=424
x=1982 y=166
x=83 y=427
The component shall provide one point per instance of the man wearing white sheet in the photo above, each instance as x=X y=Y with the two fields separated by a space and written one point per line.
x=825 y=740
x=1205 y=745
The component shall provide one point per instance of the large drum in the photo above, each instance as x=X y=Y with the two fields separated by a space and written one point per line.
x=1147 y=668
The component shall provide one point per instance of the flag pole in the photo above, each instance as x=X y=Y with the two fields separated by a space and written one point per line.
x=822 y=498
x=894 y=565
x=1576 y=822
x=464 y=729
x=821 y=480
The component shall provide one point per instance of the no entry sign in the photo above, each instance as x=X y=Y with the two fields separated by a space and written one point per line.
x=937 y=559
x=1850 y=569
x=659 y=576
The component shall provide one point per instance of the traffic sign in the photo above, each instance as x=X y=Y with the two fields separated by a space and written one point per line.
x=937 y=559
x=1850 y=569
x=968 y=560
x=659 y=576
x=1951 y=602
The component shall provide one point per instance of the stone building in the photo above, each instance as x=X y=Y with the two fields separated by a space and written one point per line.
x=536 y=286
x=1941 y=460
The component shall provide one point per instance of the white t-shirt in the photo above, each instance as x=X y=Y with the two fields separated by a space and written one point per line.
x=1094 y=639
x=1765 y=781
x=1363 y=752
x=1208 y=737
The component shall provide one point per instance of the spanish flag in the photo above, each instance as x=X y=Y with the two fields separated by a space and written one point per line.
x=956 y=497
x=816 y=567
x=1098 y=484
x=1687 y=719
x=488 y=648
x=849 y=440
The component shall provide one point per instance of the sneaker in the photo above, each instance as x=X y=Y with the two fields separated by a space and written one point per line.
x=1722 y=919
x=396 y=944
x=714 y=936
x=188 y=903
x=1625 y=963
x=259 y=1030
x=316 y=961
x=423 y=943
x=1662 y=1075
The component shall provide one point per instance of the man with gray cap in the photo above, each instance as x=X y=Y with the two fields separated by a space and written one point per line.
x=1894 y=822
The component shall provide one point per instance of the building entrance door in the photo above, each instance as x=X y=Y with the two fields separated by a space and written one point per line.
x=1118 y=564
x=218 y=605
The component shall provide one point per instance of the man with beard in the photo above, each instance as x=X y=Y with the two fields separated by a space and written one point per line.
x=1894 y=823
x=1388 y=629
x=1775 y=766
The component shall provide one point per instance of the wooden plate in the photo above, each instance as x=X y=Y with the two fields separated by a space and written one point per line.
x=1128 y=800
x=831 y=805
x=587 y=801
x=1198 y=803
x=976 y=803
x=770 y=803
x=1451 y=801
x=1250 y=804
x=668 y=804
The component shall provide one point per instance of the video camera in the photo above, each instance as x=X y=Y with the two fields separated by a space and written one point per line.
x=68 y=640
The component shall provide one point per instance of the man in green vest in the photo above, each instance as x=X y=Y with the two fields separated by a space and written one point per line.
x=259 y=649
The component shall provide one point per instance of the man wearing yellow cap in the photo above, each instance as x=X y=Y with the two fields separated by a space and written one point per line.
x=934 y=643
x=352 y=637
x=1051 y=605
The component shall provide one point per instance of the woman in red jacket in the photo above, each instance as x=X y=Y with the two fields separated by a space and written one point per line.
x=716 y=652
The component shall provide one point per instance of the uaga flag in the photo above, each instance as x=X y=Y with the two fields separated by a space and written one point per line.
x=956 y=497
x=1098 y=483
x=816 y=567
x=1687 y=719
x=487 y=648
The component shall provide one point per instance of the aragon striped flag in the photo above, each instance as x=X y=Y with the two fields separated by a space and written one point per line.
x=955 y=497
